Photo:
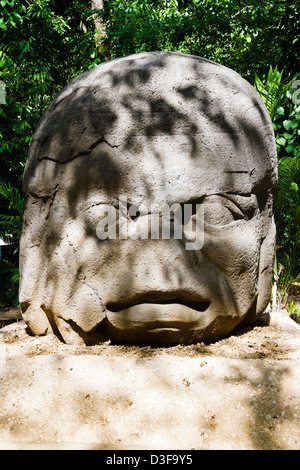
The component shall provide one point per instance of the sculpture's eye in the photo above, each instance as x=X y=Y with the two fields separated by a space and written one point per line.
x=222 y=210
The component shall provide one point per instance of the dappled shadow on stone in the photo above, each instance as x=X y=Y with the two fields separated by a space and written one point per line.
x=218 y=396
x=159 y=128
x=161 y=402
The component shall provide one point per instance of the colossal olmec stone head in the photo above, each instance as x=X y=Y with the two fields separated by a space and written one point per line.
x=118 y=144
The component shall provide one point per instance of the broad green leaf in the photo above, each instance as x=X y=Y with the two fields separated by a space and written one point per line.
x=281 y=141
x=289 y=148
x=280 y=110
x=287 y=124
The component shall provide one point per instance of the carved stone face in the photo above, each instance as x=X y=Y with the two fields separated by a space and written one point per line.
x=130 y=139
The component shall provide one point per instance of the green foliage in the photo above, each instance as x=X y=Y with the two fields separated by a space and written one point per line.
x=12 y=275
x=292 y=308
x=10 y=231
x=11 y=222
x=13 y=196
x=270 y=89
x=41 y=51
x=286 y=122
x=245 y=36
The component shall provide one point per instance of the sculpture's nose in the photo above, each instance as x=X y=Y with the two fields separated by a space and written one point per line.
x=160 y=271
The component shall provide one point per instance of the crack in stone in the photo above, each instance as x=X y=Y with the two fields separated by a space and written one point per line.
x=82 y=281
x=82 y=153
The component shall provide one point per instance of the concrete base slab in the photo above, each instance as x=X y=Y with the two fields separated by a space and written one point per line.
x=149 y=403
x=109 y=402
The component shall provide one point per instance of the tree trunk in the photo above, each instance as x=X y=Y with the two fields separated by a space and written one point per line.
x=99 y=26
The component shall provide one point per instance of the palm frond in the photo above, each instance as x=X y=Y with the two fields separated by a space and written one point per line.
x=288 y=169
x=285 y=178
x=271 y=91
x=15 y=199
x=6 y=266
x=15 y=276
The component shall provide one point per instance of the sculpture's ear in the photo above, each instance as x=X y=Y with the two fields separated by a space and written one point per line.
x=265 y=273
x=266 y=258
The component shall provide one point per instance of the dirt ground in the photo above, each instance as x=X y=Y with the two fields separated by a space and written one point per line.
x=242 y=392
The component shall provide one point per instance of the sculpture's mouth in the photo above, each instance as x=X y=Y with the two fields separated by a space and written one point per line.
x=159 y=300
x=157 y=314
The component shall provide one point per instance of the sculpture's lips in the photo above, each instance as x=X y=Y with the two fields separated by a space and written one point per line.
x=156 y=323
x=163 y=302
x=168 y=314
x=157 y=317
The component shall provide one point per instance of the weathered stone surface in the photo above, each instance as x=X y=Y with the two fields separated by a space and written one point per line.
x=152 y=129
